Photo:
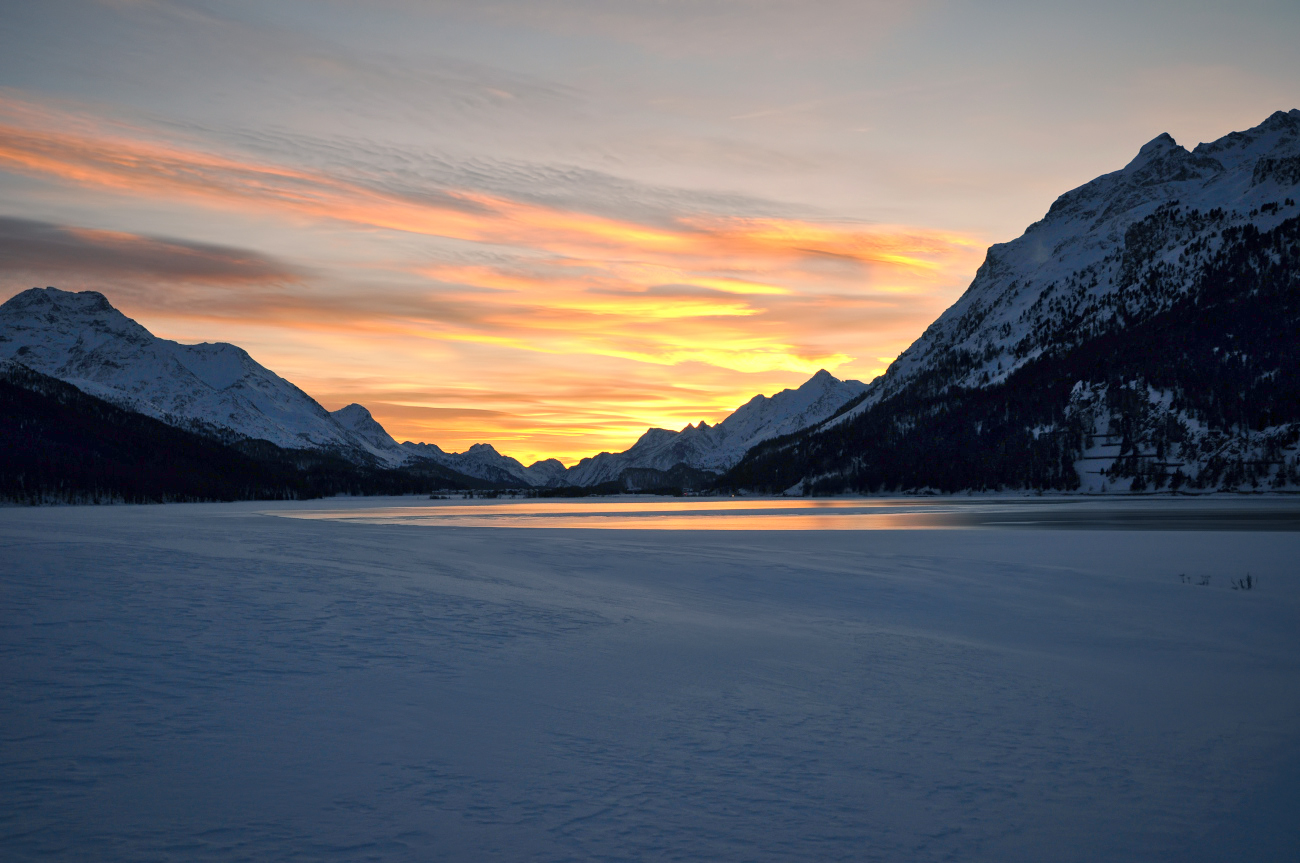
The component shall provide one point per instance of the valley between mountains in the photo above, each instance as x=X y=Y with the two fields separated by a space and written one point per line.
x=1143 y=336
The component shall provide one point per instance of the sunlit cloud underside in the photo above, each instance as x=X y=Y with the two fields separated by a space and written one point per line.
x=461 y=316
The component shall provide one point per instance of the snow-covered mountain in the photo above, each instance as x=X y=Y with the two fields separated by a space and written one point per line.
x=716 y=448
x=1180 y=269
x=213 y=388
x=1122 y=245
x=357 y=420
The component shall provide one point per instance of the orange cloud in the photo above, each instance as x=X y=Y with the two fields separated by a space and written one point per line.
x=747 y=304
x=69 y=148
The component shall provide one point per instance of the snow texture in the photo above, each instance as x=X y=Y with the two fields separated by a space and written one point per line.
x=201 y=682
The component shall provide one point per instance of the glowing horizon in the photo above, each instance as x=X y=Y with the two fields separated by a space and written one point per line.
x=533 y=226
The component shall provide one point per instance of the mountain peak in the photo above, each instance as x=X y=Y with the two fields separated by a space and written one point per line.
x=353 y=415
x=358 y=420
x=1158 y=147
x=1282 y=120
x=70 y=312
x=74 y=302
x=1276 y=136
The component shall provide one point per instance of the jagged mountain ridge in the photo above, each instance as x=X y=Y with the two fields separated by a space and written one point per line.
x=482 y=460
x=716 y=448
x=698 y=447
x=1053 y=345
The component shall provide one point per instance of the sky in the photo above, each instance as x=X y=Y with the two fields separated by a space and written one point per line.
x=551 y=224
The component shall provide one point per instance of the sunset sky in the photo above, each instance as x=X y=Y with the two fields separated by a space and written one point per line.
x=551 y=224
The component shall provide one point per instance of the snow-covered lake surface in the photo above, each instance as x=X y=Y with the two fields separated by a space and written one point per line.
x=633 y=512
x=207 y=682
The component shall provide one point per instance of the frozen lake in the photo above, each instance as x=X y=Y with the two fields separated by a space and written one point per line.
x=401 y=679
x=648 y=513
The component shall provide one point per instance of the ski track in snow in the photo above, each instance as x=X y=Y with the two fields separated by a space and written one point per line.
x=203 y=682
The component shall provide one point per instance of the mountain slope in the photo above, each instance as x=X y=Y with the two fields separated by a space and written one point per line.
x=58 y=444
x=1143 y=334
x=216 y=389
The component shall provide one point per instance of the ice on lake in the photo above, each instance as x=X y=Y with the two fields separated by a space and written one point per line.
x=1211 y=512
x=400 y=679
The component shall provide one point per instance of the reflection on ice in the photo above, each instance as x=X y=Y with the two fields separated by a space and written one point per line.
x=649 y=513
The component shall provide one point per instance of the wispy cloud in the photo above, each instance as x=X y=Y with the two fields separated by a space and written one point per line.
x=48 y=251
x=708 y=27
x=72 y=149
x=493 y=275
x=579 y=282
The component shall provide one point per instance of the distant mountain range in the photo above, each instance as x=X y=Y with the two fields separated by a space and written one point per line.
x=1144 y=335
x=219 y=391
x=716 y=448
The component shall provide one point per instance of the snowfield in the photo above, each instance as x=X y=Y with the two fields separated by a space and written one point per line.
x=210 y=682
